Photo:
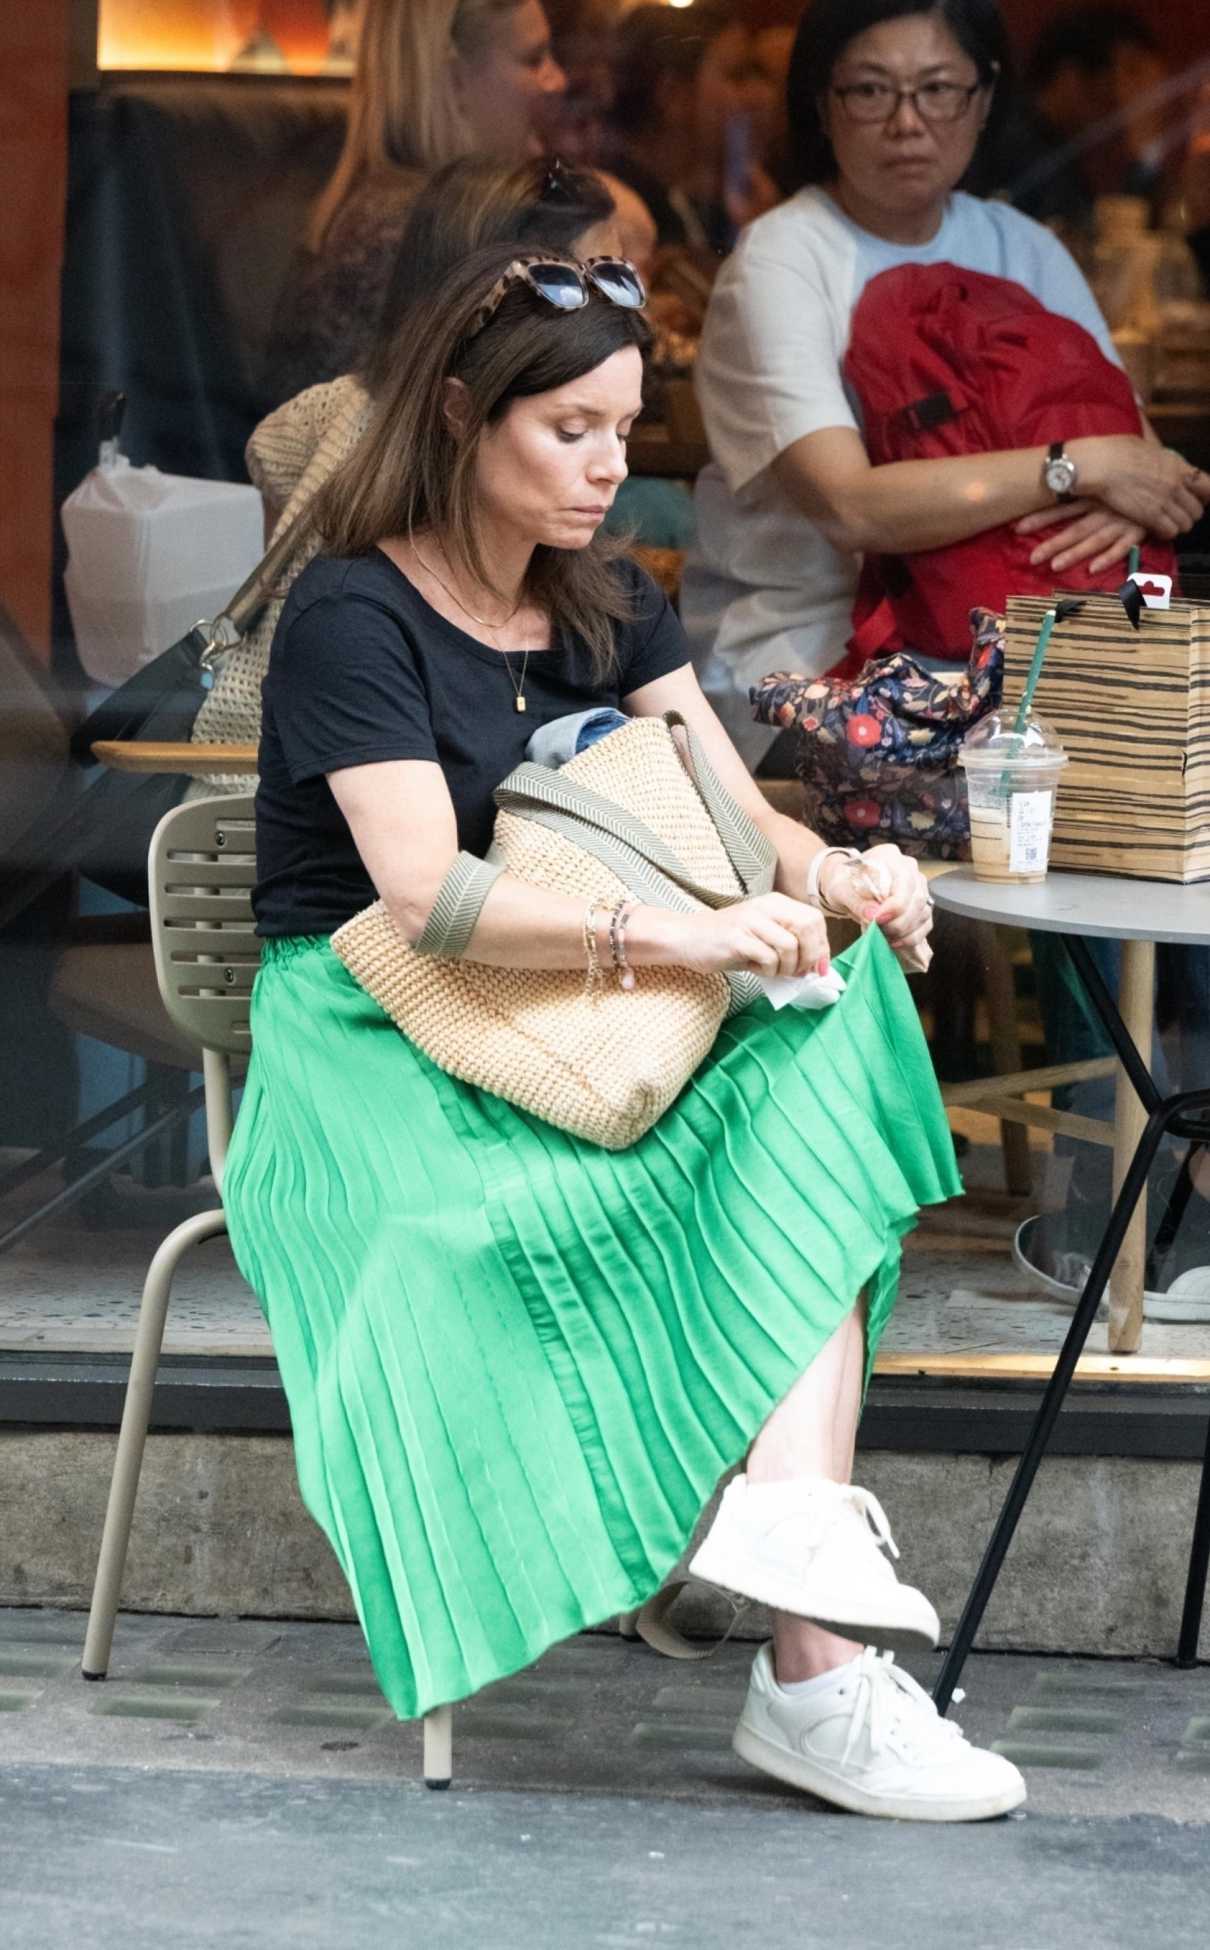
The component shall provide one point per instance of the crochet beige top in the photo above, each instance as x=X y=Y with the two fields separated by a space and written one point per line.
x=290 y=456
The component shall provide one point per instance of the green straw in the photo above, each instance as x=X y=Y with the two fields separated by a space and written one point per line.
x=1035 y=669
x=1132 y=562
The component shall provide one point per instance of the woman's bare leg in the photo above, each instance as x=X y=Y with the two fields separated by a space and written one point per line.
x=813 y=1432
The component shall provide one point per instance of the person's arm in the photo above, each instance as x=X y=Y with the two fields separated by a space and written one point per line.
x=907 y=506
x=1086 y=530
x=904 y=916
x=402 y=821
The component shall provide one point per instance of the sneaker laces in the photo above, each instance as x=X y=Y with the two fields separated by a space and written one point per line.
x=886 y=1700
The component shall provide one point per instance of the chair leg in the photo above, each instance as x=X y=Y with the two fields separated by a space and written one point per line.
x=1199 y=1565
x=438 y=1747
x=136 y=1415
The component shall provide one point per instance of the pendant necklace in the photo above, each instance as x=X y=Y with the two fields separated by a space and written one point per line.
x=518 y=685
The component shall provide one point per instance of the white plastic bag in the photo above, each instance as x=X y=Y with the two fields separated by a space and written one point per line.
x=150 y=554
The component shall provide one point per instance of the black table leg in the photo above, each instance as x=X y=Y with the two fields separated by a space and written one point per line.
x=1052 y=1402
x=1199 y=1565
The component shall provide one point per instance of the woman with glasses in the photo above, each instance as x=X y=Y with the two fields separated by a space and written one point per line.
x=889 y=102
x=518 y=1364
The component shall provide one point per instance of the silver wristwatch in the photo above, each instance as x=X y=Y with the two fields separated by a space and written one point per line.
x=1059 y=472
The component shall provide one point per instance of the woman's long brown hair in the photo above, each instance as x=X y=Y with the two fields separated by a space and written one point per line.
x=412 y=474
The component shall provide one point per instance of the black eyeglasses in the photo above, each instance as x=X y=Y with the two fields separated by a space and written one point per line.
x=566 y=284
x=933 y=101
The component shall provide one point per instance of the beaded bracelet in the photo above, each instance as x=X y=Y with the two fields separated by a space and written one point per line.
x=617 y=942
x=590 y=924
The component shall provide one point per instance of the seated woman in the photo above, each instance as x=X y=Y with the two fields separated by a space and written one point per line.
x=517 y=1365
x=296 y=449
x=887 y=105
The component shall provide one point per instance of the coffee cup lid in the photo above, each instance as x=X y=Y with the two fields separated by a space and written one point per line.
x=996 y=741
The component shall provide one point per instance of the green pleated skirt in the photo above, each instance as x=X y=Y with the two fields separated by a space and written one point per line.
x=517 y=1365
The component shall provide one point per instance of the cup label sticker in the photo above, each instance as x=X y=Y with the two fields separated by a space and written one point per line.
x=1029 y=832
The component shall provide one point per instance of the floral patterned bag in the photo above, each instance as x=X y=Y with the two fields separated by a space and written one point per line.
x=878 y=754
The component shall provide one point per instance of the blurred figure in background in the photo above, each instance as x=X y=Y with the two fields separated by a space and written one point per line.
x=1097 y=117
x=435 y=80
x=1195 y=184
x=692 y=116
x=583 y=33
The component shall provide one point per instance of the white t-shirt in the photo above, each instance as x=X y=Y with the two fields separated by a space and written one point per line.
x=763 y=590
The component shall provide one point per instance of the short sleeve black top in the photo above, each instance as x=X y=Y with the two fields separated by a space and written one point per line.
x=362 y=670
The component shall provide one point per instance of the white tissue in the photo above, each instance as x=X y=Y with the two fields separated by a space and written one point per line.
x=803 y=991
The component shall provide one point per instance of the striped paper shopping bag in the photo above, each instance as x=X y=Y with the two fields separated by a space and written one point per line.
x=1132 y=708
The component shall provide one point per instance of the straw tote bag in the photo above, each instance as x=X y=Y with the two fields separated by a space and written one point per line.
x=629 y=816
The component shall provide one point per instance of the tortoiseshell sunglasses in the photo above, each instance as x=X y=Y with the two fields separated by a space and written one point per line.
x=566 y=285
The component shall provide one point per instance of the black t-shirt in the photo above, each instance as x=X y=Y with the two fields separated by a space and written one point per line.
x=361 y=670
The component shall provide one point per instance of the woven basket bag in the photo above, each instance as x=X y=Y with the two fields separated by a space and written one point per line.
x=629 y=816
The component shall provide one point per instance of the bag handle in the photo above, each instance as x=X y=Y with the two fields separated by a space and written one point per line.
x=237 y=617
x=536 y=789
x=752 y=853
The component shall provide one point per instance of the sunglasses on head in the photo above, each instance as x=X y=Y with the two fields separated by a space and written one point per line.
x=566 y=285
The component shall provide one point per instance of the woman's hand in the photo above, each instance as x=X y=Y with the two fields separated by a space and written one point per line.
x=1150 y=485
x=768 y=935
x=886 y=887
x=1082 y=529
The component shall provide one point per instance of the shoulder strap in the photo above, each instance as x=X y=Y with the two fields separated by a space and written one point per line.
x=751 y=853
x=237 y=617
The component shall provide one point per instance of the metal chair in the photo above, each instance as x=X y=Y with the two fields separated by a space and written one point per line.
x=202 y=869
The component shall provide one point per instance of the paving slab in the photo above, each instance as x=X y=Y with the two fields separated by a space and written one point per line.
x=597 y=1715
x=242 y=1782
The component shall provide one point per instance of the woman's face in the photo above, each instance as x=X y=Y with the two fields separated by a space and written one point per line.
x=503 y=89
x=548 y=471
x=905 y=163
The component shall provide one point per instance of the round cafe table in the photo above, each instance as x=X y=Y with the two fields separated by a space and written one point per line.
x=1138 y=913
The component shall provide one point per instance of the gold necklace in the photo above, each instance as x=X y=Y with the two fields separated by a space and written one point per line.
x=519 y=703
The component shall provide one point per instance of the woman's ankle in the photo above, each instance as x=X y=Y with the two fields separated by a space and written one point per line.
x=803 y=1651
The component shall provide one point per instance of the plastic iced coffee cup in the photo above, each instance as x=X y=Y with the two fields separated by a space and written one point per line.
x=1012 y=778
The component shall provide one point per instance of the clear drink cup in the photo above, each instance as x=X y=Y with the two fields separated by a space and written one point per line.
x=1012 y=778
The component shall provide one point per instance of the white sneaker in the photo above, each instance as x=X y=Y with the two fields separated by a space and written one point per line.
x=813 y=1547
x=874 y=1743
x=1063 y=1275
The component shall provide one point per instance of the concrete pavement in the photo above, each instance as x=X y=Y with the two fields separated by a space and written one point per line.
x=242 y=1783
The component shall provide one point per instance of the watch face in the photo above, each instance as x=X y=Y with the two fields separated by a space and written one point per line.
x=1060 y=474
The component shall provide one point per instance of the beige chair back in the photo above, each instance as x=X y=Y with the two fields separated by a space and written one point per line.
x=201 y=872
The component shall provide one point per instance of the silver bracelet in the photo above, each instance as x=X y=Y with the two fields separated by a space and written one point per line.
x=812 y=896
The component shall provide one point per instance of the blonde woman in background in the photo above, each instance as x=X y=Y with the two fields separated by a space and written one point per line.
x=435 y=80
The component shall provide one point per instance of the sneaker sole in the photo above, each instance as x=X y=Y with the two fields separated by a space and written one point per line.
x=865 y=1624
x=796 y=1771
